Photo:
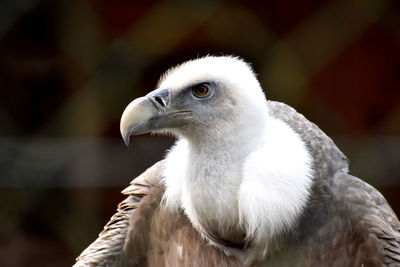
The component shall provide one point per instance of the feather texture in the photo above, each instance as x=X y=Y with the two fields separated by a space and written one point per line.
x=347 y=222
x=250 y=182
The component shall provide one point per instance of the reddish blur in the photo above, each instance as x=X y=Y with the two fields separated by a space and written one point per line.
x=69 y=68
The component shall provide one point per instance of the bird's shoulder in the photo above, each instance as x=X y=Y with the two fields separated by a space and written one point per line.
x=328 y=159
x=145 y=233
x=370 y=211
x=345 y=215
x=352 y=225
x=143 y=192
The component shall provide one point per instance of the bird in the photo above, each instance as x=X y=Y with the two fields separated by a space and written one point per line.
x=248 y=182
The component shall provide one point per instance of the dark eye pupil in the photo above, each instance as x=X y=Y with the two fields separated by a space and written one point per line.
x=200 y=90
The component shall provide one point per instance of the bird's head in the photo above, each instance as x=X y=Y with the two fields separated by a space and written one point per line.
x=209 y=97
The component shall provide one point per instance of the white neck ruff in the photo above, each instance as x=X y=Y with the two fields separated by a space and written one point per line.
x=264 y=191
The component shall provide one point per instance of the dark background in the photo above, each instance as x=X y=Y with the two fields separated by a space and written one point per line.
x=69 y=68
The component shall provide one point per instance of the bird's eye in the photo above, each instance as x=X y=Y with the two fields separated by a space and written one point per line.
x=201 y=90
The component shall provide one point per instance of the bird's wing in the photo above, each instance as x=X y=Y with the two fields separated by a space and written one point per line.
x=143 y=233
x=359 y=229
x=390 y=243
x=107 y=249
x=379 y=218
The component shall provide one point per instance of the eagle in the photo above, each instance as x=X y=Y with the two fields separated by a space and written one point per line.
x=248 y=182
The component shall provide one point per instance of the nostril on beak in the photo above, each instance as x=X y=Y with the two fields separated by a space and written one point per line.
x=159 y=101
x=160 y=98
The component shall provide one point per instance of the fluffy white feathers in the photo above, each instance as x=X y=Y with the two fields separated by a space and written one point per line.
x=250 y=171
x=276 y=183
x=233 y=71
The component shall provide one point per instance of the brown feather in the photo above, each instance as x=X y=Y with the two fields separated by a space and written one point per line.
x=359 y=229
x=142 y=233
x=346 y=223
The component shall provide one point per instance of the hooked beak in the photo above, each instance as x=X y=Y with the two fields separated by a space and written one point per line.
x=151 y=113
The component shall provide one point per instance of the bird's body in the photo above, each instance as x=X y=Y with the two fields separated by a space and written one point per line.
x=249 y=182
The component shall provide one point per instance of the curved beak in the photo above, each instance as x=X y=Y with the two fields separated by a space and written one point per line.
x=151 y=113
x=136 y=117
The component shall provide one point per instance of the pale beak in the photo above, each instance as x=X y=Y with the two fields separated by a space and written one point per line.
x=151 y=113
x=135 y=118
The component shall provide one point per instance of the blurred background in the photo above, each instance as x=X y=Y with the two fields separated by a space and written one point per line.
x=69 y=68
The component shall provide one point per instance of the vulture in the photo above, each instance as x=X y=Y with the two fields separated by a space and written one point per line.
x=248 y=182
